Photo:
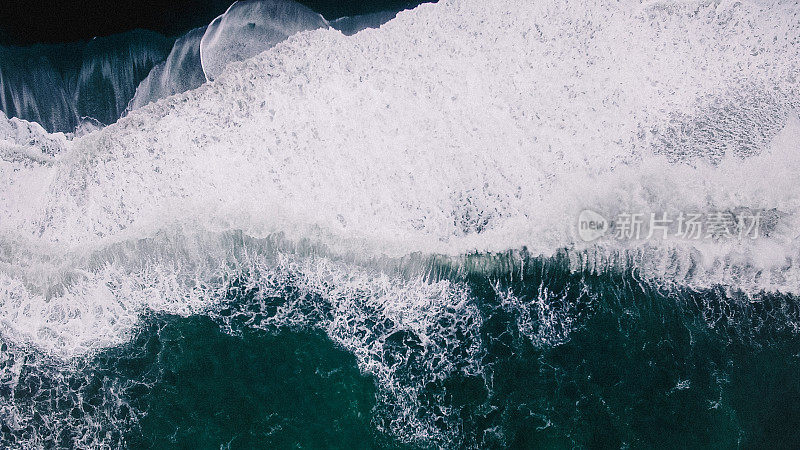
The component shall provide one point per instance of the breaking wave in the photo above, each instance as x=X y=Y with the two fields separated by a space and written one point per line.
x=412 y=192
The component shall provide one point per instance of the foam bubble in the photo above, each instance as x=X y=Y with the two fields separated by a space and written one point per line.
x=249 y=27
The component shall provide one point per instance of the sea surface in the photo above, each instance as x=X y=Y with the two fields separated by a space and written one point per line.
x=574 y=359
x=375 y=237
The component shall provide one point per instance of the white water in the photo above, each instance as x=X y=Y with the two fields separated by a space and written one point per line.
x=250 y=27
x=451 y=129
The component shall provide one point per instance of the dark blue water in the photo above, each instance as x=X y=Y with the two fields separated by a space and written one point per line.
x=609 y=361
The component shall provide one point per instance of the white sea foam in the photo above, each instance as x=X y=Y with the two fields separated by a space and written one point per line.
x=454 y=128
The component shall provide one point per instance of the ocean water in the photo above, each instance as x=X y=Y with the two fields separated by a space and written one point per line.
x=79 y=86
x=571 y=359
x=374 y=241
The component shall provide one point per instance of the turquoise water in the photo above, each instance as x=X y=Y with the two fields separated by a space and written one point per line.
x=615 y=362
